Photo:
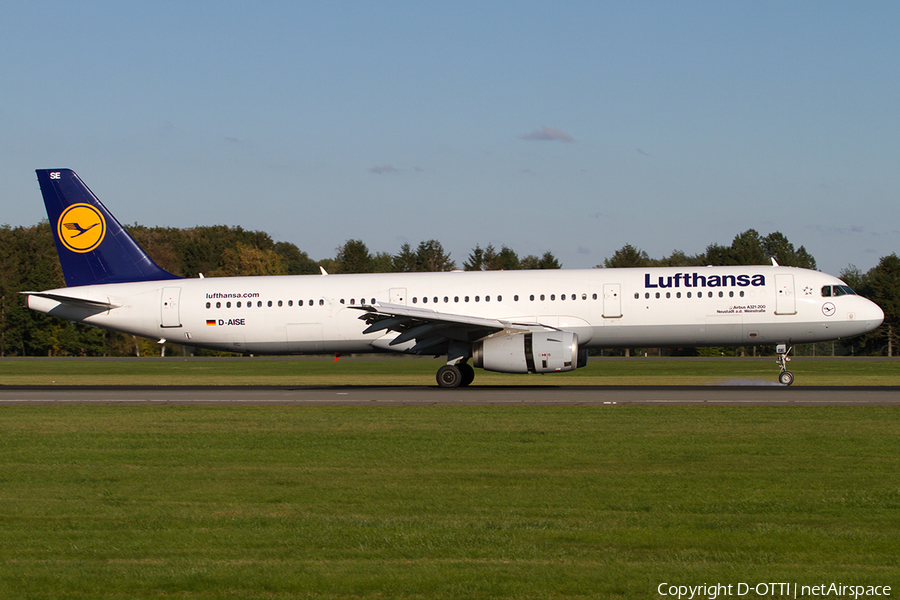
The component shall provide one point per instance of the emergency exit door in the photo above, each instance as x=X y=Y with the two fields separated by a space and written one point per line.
x=169 y=312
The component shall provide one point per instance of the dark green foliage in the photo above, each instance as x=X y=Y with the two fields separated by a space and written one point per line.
x=430 y=256
x=488 y=259
x=747 y=248
x=628 y=256
x=404 y=261
x=296 y=262
x=353 y=257
x=881 y=285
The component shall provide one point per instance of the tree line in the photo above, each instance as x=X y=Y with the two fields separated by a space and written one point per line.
x=28 y=261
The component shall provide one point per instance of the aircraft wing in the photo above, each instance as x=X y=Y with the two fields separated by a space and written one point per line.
x=432 y=329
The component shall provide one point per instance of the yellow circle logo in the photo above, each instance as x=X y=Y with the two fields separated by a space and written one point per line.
x=81 y=228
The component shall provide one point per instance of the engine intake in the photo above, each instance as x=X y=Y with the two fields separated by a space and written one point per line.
x=531 y=352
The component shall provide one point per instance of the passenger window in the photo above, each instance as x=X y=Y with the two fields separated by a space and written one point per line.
x=446 y=299
x=477 y=298
x=583 y=297
x=321 y=302
x=657 y=294
x=499 y=298
x=668 y=294
x=415 y=300
x=238 y=305
x=516 y=298
x=595 y=296
x=456 y=298
x=688 y=294
x=542 y=297
x=531 y=297
x=290 y=302
x=637 y=295
x=553 y=296
x=487 y=298
x=424 y=299
x=280 y=303
x=207 y=305
x=218 y=305
x=721 y=294
x=228 y=305
x=678 y=294
x=259 y=304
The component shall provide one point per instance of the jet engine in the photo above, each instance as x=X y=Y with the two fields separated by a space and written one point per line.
x=530 y=352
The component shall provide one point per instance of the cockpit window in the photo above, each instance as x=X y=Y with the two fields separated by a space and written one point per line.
x=837 y=290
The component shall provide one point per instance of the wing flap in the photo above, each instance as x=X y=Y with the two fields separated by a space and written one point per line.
x=430 y=329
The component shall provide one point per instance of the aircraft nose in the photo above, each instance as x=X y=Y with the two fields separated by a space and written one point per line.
x=873 y=316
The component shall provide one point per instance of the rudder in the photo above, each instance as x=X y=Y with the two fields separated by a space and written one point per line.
x=92 y=245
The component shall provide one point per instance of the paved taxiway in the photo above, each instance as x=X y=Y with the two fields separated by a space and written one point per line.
x=473 y=396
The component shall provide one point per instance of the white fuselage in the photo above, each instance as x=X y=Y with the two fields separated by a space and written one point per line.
x=647 y=307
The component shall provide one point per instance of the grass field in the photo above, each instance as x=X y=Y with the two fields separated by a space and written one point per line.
x=370 y=370
x=442 y=502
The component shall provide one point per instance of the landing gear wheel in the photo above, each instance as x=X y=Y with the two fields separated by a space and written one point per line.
x=785 y=377
x=468 y=373
x=449 y=376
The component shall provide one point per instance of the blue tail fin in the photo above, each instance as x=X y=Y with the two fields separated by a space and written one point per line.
x=93 y=247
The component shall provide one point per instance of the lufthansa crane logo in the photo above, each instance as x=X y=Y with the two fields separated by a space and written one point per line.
x=81 y=228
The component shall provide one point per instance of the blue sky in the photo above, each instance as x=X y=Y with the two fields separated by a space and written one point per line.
x=575 y=127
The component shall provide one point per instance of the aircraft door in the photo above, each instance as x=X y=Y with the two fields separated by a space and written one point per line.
x=170 y=315
x=398 y=295
x=785 y=302
x=612 y=300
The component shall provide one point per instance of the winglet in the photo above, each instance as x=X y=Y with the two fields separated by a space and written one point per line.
x=93 y=246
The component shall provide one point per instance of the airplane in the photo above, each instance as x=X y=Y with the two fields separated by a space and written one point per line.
x=541 y=321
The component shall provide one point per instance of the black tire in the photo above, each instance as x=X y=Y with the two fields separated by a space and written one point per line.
x=449 y=376
x=468 y=373
x=786 y=378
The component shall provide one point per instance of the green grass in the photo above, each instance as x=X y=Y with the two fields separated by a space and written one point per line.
x=442 y=502
x=352 y=370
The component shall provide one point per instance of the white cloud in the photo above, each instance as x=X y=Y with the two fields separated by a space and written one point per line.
x=547 y=134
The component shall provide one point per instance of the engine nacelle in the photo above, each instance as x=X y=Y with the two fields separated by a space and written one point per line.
x=531 y=352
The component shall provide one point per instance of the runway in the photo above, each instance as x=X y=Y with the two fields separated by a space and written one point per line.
x=473 y=396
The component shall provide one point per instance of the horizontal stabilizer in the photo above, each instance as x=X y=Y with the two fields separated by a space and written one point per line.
x=86 y=302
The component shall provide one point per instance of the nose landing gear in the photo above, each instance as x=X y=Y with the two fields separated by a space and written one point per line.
x=785 y=377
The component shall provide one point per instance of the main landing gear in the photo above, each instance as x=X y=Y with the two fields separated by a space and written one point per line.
x=451 y=376
x=785 y=377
